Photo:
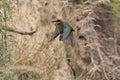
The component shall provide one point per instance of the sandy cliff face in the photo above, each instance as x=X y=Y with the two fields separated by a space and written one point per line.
x=96 y=56
x=27 y=14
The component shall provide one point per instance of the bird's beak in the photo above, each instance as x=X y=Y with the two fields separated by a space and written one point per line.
x=56 y=21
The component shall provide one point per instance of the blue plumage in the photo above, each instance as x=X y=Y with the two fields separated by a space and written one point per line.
x=65 y=31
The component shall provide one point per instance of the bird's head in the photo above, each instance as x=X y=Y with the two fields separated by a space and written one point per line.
x=59 y=20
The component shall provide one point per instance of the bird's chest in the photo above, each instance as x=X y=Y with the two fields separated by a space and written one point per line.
x=65 y=27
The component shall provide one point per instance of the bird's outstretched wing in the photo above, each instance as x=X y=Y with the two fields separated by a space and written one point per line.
x=57 y=31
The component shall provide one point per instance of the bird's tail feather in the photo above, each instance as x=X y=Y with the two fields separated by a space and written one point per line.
x=70 y=40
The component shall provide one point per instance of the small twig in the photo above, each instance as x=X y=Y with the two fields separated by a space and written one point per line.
x=23 y=32
x=19 y=31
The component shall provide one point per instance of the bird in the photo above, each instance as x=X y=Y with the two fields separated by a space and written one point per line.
x=65 y=31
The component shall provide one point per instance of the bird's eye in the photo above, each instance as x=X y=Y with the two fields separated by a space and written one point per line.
x=58 y=20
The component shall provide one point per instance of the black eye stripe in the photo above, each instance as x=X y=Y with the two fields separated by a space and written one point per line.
x=56 y=21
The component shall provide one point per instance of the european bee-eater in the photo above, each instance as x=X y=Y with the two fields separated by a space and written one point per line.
x=65 y=31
